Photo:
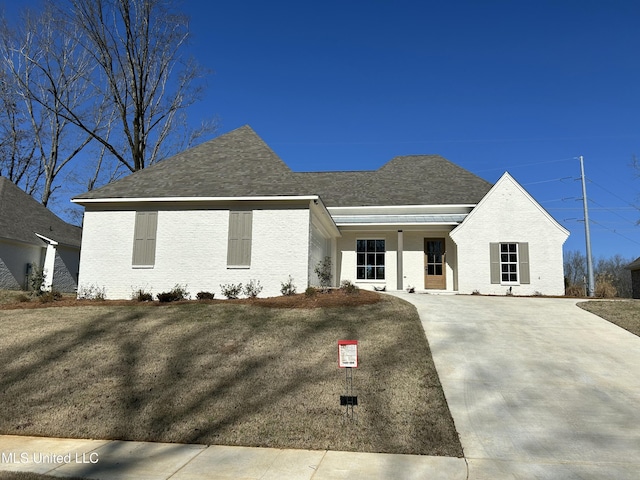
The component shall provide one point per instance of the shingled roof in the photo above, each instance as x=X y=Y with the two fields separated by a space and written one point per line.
x=240 y=164
x=21 y=217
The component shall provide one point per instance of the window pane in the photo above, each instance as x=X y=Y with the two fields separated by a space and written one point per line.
x=380 y=246
x=512 y=247
x=439 y=269
x=360 y=245
x=371 y=259
x=504 y=257
x=513 y=277
x=504 y=247
x=504 y=267
x=360 y=273
x=379 y=258
x=361 y=259
x=371 y=245
x=512 y=267
x=380 y=273
x=370 y=273
x=505 y=277
x=513 y=257
x=431 y=269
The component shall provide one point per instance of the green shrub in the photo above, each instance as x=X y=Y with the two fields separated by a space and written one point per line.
x=141 y=296
x=231 y=290
x=50 y=296
x=288 y=288
x=91 y=292
x=252 y=289
x=310 y=292
x=176 y=294
x=323 y=271
x=349 y=288
x=205 y=295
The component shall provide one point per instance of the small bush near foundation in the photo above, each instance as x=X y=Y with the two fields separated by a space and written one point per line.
x=475 y=292
x=288 y=288
x=205 y=295
x=349 y=288
x=91 y=292
x=310 y=292
x=252 y=289
x=231 y=290
x=50 y=296
x=141 y=296
x=323 y=271
x=176 y=294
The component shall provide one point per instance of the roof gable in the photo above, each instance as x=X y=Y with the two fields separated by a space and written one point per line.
x=498 y=187
x=22 y=217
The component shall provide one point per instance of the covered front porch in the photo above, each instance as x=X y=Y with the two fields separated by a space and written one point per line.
x=386 y=249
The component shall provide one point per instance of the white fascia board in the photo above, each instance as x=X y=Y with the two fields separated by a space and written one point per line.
x=48 y=240
x=323 y=215
x=195 y=199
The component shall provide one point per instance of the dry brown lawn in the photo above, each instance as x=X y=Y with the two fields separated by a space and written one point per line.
x=624 y=313
x=233 y=373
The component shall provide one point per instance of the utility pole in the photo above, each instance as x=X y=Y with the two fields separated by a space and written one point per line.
x=591 y=282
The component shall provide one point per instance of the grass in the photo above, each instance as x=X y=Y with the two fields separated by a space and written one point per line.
x=624 y=313
x=223 y=373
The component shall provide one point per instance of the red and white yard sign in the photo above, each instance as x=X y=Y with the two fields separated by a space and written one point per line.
x=347 y=353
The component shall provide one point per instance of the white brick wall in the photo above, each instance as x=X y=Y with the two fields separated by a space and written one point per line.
x=509 y=214
x=191 y=249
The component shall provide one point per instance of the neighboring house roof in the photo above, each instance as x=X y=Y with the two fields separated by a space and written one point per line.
x=240 y=164
x=635 y=265
x=22 y=217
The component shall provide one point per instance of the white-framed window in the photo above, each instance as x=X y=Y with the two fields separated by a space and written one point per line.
x=370 y=259
x=144 y=240
x=509 y=263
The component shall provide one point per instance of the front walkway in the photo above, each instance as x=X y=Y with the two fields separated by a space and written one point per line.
x=538 y=388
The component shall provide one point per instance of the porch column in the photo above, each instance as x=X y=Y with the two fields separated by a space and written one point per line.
x=399 y=260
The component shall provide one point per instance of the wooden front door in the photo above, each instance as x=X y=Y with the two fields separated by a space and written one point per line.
x=434 y=264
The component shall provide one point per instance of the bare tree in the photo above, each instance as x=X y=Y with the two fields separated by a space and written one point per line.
x=136 y=46
x=49 y=71
x=17 y=148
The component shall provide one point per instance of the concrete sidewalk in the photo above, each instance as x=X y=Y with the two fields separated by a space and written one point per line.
x=111 y=460
x=537 y=387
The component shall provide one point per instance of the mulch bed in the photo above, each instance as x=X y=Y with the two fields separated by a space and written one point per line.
x=332 y=298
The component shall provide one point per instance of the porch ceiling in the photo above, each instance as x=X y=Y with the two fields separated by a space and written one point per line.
x=399 y=220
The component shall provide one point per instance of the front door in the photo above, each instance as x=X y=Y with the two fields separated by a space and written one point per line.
x=434 y=264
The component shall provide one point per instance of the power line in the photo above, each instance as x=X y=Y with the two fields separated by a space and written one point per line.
x=616 y=232
x=611 y=193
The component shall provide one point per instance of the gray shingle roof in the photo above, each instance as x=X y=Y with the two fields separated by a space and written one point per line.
x=21 y=217
x=240 y=164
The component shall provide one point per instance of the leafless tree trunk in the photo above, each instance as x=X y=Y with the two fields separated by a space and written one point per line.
x=17 y=148
x=136 y=45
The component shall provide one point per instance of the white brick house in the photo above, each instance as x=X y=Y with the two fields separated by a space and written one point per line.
x=229 y=211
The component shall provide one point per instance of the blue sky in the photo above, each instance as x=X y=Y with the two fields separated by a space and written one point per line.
x=493 y=86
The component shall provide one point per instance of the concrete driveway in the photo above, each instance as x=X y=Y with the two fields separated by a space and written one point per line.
x=538 y=388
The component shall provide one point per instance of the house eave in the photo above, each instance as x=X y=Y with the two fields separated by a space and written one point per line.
x=83 y=201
